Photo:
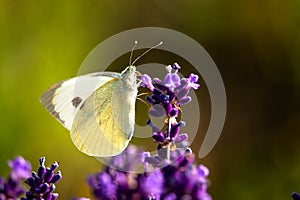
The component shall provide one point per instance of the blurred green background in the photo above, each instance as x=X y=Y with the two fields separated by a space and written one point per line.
x=255 y=44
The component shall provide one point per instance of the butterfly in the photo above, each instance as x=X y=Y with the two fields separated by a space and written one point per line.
x=98 y=109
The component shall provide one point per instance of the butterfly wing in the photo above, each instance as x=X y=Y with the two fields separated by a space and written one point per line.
x=104 y=124
x=64 y=99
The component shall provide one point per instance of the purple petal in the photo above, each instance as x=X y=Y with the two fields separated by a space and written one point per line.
x=168 y=107
x=183 y=84
x=154 y=113
x=167 y=80
x=181 y=137
x=44 y=188
x=81 y=198
x=153 y=184
x=202 y=170
x=202 y=194
x=121 y=180
x=54 y=196
x=49 y=175
x=104 y=178
x=56 y=177
x=146 y=80
x=20 y=167
x=54 y=166
x=156 y=81
x=161 y=87
x=182 y=94
x=149 y=99
x=185 y=100
x=171 y=196
x=193 y=78
x=158 y=137
x=157 y=111
x=174 y=130
x=174 y=112
x=41 y=171
x=171 y=96
x=192 y=81
x=175 y=79
x=31 y=182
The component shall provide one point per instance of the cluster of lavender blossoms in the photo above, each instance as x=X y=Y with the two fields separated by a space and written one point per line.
x=171 y=173
x=41 y=183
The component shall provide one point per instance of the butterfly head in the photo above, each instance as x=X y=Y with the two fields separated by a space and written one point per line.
x=129 y=76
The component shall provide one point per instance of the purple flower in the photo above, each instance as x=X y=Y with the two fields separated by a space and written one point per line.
x=152 y=184
x=166 y=98
x=157 y=110
x=295 y=196
x=12 y=188
x=147 y=82
x=172 y=80
x=174 y=181
x=181 y=137
x=20 y=167
x=172 y=172
x=103 y=186
x=172 y=87
x=42 y=183
x=175 y=128
x=192 y=81
x=171 y=196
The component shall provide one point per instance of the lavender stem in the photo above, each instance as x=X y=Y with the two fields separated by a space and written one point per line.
x=168 y=138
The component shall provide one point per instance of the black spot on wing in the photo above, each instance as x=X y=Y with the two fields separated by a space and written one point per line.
x=76 y=101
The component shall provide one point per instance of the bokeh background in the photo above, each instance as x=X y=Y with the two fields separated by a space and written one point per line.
x=255 y=44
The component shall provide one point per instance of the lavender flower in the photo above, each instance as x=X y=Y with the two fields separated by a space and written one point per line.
x=166 y=98
x=295 y=196
x=20 y=167
x=42 y=183
x=12 y=188
x=178 y=179
x=171 y=173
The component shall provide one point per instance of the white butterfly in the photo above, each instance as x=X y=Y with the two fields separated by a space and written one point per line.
x=97 y=108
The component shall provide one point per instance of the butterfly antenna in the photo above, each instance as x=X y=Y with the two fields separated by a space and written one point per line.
x=143 y=101
x=135 y=43
x=146 y=52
